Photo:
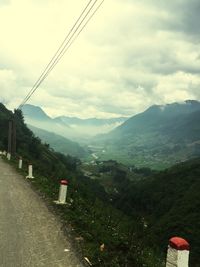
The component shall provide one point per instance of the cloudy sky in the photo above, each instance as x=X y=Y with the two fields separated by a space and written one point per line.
x=132 y=54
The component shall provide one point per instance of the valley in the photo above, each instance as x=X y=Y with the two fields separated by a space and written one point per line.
x=157 y=138
x=132 y=210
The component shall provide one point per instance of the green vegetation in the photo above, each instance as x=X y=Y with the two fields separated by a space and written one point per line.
x=170 y=203
x=90 y=212
x=59 y=143
x=167 y=202
x=133 y=212
x=157 y=138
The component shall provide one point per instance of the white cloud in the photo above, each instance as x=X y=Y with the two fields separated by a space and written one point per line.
x=127 y=58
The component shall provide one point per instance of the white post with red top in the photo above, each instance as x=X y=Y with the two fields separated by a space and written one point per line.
x=63 y=192
x=20 y=163
x=8 y=156
x=178 y=253
x=30 y=172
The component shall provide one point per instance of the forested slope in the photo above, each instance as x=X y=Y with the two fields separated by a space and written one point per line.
x=159 y=137
x=169 y=203
x=135 y=223
x=60 y=143
x=90 y=212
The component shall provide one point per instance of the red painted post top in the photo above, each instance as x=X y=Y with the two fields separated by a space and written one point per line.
x=179 y=243
x=64 y=182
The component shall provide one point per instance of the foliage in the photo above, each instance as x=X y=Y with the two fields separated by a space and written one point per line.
x=134 y=221
x=89 y=208
x=60 y=143
x=157 y=138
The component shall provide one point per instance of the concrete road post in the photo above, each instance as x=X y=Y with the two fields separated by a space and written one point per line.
x=178 y=253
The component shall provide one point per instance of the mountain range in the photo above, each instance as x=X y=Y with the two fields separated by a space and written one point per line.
x=60 y=143
x=70 y=127
x=150 y=210
x=158 y=137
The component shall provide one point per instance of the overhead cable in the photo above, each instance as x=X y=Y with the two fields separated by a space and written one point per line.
x=75 y=31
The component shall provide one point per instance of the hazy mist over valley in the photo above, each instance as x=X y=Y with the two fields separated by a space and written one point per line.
x=159 y=137
x=70 y=127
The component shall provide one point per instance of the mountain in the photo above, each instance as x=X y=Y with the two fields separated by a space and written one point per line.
x=158 y=137
x=59 y=143
x=88 y=212
x=135 y=222
x=35 y=113
x=36 y=117
x=168 y=201
x=70 y=127
x=157 y=118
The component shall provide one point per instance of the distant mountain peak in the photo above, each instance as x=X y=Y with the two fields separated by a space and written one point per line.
x=186 y=106
x=192 y=102
x=35 y=112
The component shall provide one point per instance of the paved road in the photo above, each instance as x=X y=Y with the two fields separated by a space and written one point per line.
x=30 y=236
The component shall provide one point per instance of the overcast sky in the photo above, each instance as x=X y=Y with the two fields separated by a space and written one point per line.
x=133 y=53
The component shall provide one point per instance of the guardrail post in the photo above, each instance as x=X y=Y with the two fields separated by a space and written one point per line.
x=62 y=192
x=178 y=253
x=8 y=156
x=20 y=163
x=30 y=172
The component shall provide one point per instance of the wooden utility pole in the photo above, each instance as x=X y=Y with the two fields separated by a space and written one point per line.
x=9 y=136
x=12 y=137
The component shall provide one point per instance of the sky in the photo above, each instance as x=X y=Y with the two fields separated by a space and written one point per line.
x=131 y=55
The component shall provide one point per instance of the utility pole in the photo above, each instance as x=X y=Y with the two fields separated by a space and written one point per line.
x=9 y=136
x=13 y=137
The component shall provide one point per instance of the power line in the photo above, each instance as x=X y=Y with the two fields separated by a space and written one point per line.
x=70 y=42
x=55 y=58
x=60 y=56
x=60 y=47
x=66 y=44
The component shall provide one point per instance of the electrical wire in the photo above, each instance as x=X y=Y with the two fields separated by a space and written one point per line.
x=66 y=44
x=71 y=42
x=60 y=47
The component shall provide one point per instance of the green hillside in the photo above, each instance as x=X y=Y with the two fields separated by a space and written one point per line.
x=59 y=143
x=134 y=220
x=158 y=138
x=168 y=202
x=90 y=212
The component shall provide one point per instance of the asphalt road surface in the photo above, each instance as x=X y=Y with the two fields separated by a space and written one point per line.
x=30 y=235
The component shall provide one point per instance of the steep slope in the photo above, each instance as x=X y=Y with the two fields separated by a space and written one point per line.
x=59 y=143
x=164 y=204
x=36 y=117
x=35 y=113
x=158 y=118
x=169 y=204
x=158 y=137
x=89 y=211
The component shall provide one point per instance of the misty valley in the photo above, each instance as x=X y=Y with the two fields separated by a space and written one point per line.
x=158 y=138
x=131 y=188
